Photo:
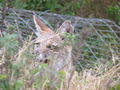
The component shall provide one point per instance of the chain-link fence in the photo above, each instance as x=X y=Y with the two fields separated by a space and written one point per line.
x=102 y=44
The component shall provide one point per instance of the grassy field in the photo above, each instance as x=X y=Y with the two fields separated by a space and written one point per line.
x=20 y=71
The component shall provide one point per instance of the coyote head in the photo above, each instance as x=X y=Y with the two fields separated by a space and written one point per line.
x=49 y=42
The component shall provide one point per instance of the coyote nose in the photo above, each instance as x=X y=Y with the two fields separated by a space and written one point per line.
x=42 y=58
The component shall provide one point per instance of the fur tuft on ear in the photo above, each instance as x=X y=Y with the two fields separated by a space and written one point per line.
x=40 y=26
x=66 y=27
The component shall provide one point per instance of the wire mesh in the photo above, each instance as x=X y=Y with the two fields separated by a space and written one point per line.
x=100 y=45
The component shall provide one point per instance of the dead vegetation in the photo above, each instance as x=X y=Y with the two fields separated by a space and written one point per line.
x=20 y=71
x=23 y=72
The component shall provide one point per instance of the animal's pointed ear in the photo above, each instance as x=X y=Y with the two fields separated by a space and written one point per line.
x=40 y=26
x=66 y=27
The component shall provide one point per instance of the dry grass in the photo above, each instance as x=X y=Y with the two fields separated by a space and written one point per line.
x=22 y=72
x=88 y=81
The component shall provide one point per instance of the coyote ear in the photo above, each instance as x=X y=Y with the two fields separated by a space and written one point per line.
x=66 y=27
x=40 y=26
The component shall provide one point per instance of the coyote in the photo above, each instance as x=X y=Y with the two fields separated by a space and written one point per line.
x=51 y=49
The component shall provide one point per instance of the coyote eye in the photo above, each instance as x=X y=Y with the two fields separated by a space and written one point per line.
x=49 y=46
x=52 y=46
x=63 y=38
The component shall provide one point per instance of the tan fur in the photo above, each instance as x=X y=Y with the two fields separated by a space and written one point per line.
x=51 y=48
